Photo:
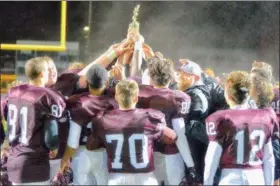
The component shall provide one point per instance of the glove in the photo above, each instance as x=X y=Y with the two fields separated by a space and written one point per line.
x=193 y=178
x=64 y=178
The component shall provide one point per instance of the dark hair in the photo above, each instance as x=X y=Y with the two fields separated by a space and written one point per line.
x=97 y=76
x=239 y=84
x=160 y=70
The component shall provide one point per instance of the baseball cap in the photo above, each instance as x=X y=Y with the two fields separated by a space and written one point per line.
x=191 y=68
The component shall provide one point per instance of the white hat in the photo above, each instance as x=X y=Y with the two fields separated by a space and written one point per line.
x=191 y=68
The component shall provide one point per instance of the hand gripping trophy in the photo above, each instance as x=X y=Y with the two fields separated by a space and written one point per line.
x=136 y=40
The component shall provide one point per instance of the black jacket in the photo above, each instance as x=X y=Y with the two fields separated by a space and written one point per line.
x=199 y=110
x=217 y=94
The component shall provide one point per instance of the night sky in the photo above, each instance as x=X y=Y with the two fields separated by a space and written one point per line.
x=40 y=20
x=167 y=26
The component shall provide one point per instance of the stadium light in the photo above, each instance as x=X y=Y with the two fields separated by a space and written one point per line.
x=53 y=48
x=86 y=28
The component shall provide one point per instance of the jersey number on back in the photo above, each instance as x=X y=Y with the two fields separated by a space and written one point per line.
x=12 y=119
x=255 y=135
x=117 y=164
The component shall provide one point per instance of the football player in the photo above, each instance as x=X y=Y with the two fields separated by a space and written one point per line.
x=89 y=164
x=4 y=180
x=128 y=134
x=70 y=82
x=262 y=71
x=67 y=83
x=175 y=105
x=240 y=138
x=262 y=91
x=266 y=74
x=32 y=129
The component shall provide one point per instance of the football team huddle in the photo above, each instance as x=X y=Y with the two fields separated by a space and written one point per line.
x=131 y=118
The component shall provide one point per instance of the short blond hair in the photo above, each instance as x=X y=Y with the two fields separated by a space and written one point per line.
x=238 y=84
x=47 y=59
x=76 y=65
x=126 y=91
x=34 y=66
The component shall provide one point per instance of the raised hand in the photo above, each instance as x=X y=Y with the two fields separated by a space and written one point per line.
x=117 y=72
x=148 y=51
x=123 y=47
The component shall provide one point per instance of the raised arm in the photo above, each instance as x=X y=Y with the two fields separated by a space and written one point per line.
x=137 y=57
x=105 y=59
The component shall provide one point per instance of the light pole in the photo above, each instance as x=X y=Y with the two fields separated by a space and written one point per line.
x=87 y=30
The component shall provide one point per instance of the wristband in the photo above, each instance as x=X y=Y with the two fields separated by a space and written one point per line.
x=111 y=55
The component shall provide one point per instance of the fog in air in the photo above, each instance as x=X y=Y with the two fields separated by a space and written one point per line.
x=223 y=35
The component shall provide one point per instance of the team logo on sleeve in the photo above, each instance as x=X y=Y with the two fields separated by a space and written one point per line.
x=185 y=107
x=211 y=129
x=56 y=111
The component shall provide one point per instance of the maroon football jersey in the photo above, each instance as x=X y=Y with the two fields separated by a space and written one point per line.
x=242 y=134
x=84 y=107
x=173 y=103
x=128 y=136
x=67 y=85
x=28 y=107
x=74 y=71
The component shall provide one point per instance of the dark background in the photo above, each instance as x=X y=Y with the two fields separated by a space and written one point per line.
x=212 y=33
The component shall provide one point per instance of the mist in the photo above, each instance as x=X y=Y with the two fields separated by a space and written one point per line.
x=225 y=36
